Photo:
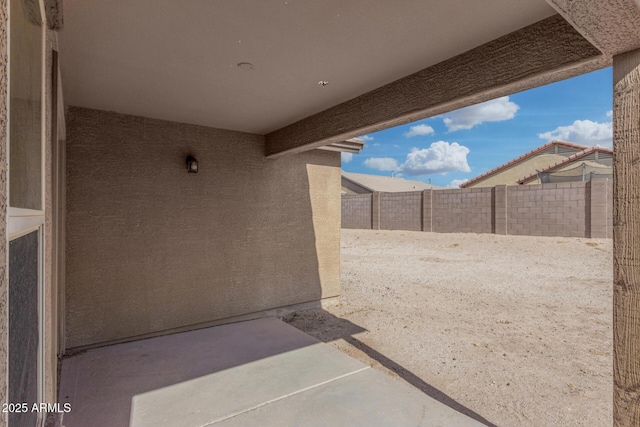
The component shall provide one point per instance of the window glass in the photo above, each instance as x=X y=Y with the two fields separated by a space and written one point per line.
x=25 y=105
x=23 y=327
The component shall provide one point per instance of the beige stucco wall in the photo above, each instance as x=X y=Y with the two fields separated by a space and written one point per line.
x=151 y=248
x=511 y=175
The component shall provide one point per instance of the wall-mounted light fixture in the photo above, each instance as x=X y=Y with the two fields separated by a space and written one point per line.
x=192 y=164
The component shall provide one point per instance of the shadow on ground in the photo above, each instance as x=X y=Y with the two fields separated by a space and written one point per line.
x=327 y=327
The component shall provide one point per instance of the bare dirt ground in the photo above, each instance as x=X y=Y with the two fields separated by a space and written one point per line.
x=511 y=330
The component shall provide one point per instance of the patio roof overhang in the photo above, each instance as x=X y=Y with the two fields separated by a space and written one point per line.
x=550 y=50
x=541 y=53
x=255 y=66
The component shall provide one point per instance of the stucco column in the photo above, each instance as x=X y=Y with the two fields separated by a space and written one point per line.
x=626 y=239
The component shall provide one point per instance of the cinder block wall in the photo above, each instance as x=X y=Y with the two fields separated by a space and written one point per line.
x=462 y=211
x=152 y=248
x=356 y=211
x=401 y=211
x=570 y=209
x=548 y=210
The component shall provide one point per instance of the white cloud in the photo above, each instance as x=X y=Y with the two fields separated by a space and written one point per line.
x=610 y=113
x=419 y=130
x=346 y=157
x=495 y=110
x=440 y=157
x=366 y=138
x=376 y=144
x=583 y=132
x=382 y=163
x=456 y=183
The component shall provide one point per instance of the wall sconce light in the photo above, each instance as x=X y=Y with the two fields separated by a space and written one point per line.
x=192 y=165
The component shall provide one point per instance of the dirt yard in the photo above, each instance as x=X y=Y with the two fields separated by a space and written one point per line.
x=511 y=330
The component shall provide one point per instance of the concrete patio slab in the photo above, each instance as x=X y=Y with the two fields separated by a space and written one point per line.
x=261 y=372
x=368 y=398
x=219 y=395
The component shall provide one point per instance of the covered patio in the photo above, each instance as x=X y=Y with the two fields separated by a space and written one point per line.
x=259 y=372
x=171 y=166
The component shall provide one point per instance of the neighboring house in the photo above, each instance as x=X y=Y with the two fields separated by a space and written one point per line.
x=360 y=183
x=592 y=163
x=552 y=162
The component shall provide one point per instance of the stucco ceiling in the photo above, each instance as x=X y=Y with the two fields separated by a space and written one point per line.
x=178 y=60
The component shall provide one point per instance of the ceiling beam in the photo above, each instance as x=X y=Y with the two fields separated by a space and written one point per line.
x=613 y=26
x=340 y=150
x=353 y=145
x=545 y=52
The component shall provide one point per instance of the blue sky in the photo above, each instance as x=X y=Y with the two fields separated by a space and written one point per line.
x=460 y=145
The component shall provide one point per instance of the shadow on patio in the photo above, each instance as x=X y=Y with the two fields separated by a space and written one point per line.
x=345 y=330
x=260 y=372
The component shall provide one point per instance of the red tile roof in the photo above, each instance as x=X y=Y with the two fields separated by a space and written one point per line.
x=523 y=157
x=569 y=159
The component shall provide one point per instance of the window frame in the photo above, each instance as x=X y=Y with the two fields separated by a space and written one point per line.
x=21 y=221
